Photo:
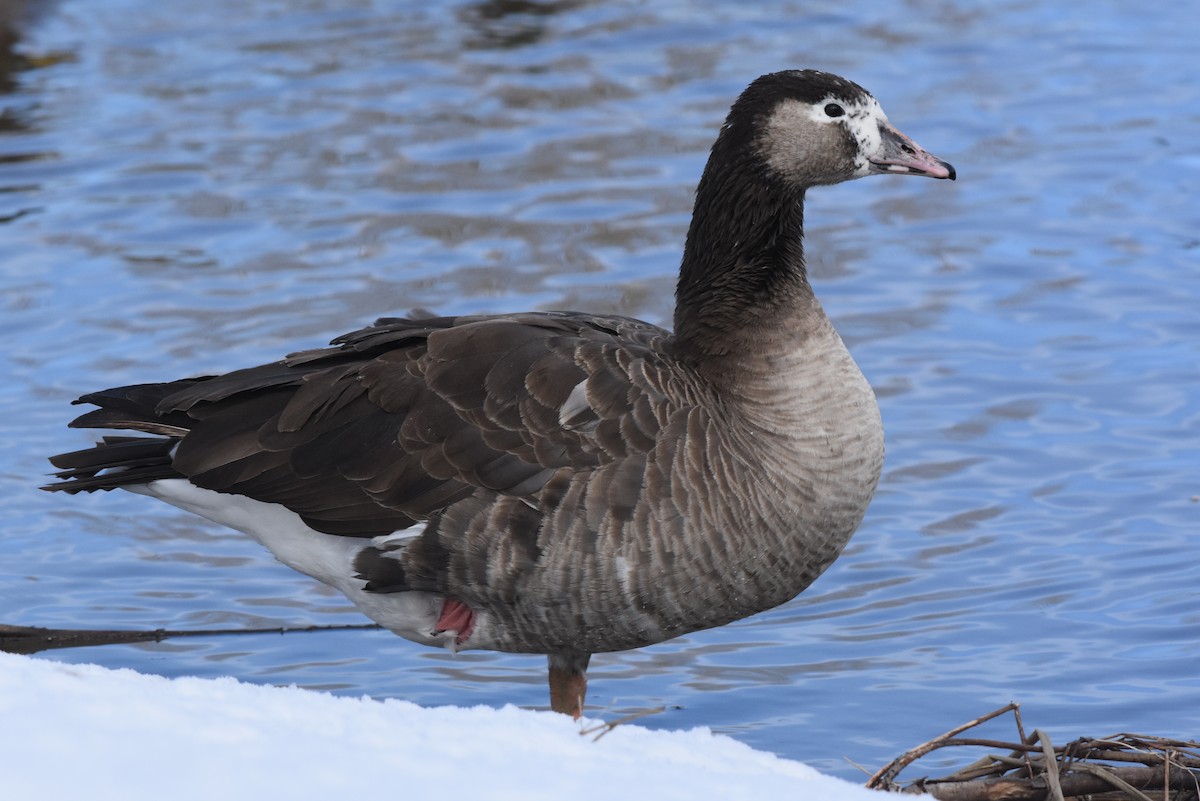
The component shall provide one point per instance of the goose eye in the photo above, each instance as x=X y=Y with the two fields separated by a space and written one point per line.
x=834 y=110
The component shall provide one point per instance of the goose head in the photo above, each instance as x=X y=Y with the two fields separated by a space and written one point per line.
x=811 y=128
x=743 y=263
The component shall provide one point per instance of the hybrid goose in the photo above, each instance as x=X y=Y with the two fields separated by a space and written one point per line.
x=561 y=483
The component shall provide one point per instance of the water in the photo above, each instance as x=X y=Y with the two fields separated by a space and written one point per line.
x=193 y=187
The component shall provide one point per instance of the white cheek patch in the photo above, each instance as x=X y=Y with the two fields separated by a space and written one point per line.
x=863 y=118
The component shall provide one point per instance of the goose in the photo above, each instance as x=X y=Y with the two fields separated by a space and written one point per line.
x=557 y=482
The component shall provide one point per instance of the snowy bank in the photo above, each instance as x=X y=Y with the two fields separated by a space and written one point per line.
x=82 y=731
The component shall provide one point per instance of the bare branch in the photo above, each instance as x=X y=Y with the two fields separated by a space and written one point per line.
x=31 y=639
x=884 y=776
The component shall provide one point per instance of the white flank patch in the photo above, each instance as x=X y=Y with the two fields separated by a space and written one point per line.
x=326 y=557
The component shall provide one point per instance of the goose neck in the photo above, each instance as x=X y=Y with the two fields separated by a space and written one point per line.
x=742 y=280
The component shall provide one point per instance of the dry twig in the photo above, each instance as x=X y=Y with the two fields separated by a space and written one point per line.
x=1122 y=767
x=31 y=639
x=605 y=728
x=884 y=776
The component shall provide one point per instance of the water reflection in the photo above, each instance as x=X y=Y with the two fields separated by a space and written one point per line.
x=17 y=113
x=510 y=24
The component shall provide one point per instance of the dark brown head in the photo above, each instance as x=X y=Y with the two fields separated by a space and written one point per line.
x=809 y=127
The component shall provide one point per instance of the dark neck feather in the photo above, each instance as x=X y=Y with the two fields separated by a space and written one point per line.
x=743 y=270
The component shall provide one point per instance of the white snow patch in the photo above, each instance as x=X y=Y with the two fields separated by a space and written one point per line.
x=84 y=732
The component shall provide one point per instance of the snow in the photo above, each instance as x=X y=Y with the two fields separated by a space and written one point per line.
x=83 y=731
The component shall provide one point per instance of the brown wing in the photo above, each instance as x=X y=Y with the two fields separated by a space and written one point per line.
x=397 y=421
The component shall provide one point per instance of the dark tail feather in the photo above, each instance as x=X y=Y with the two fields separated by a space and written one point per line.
x=122 y=461
x=136 y=407
x=114 y=462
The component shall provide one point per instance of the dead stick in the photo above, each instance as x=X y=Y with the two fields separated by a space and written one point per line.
x=1021 y=734
x=31 y=639
x=1107 y=775
x=1052 y=778
x=1080 y=780
x=1142 y=757
x=605 y=728
x=1166 y=775
x=886 y=774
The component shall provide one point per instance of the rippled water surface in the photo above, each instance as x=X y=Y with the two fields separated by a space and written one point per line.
x=191 y=187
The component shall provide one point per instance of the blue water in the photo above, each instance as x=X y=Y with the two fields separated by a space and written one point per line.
x=197 y=186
